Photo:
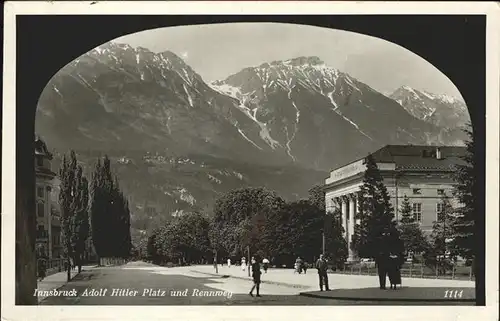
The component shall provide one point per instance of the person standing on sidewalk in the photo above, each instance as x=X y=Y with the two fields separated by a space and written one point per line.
x=42 y=268
x=229 y=262
x=322 y=267
x=243 y=264
x=256 y=276
x=382 y=262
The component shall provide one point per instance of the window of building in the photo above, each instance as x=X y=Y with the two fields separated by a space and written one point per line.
x=40 y=209
x=439 y=211
x=39 y=192
x=55 y=240
x=417 y=191
x=440 y=191
x=40 y=232
x=39 y=161
x=417 y=212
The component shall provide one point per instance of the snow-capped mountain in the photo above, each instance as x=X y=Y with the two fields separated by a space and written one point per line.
x=119 y=97
x=440 y=110
x=315 y=111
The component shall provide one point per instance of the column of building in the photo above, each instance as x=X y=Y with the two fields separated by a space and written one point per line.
x=352 y=214
x=348 y=218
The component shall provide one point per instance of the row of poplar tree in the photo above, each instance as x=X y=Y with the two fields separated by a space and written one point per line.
x=97 y=210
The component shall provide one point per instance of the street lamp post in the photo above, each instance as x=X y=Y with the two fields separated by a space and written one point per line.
x=215 y=262
x=249 y=262
x=323 y=242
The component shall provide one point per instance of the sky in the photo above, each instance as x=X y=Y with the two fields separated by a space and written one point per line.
x=220 y=50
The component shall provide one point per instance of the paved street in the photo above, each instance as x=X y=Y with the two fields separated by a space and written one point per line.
x=154 y=285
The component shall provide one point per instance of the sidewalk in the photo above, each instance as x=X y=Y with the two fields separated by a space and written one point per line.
x=56 y=280
x=309 y=281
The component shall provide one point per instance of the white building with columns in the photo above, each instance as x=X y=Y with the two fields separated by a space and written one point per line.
x=422 y=173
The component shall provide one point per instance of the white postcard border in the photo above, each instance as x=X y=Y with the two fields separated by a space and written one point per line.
x=11 y=312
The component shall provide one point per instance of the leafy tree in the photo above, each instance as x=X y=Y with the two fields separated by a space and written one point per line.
x=152 y=249
x=410 y=232
x=183 y=240
x=241 y=217
x=73 y=200
x=335 y=243
x=301 y=236
x=375 y=213
x=464 y=228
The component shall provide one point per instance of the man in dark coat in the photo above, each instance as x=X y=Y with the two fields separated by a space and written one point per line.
x=382 y=259
x=256 y=276
x=322 y=267
x=382 y=262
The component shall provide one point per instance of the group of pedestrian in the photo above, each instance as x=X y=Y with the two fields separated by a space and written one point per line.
x=300 y=266
x=389 y=265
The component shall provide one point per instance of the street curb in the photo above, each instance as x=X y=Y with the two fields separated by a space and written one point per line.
x=312 y=295
x=295 y=286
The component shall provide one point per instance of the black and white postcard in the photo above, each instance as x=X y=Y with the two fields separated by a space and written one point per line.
x=250 y=160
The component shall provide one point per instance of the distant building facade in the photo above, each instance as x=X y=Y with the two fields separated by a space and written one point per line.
x=423 y=173
x=48 y=223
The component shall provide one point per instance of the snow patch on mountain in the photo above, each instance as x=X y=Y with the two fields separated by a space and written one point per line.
x=188 y=95
x=248 y=139
x=226 y=89
x=214 y=179
x=264 y=131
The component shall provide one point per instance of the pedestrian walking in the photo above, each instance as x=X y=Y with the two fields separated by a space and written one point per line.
x=322 y=267
x=243 y=264
x=298 y=265
x=229 y=263
x=394 y=270
x=305 y=266
x=256 y=276
x=265 y=264
x=42 y=268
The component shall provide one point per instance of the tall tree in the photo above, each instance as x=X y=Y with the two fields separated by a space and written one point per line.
x=81 y=232
x=110 y=214
x=73 y=200
x=375 y=213
x=464 y=228
x=411 y=234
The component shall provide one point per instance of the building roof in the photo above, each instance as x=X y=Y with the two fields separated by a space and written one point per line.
x=45 y=171
x=41 y=148
x=420 y=157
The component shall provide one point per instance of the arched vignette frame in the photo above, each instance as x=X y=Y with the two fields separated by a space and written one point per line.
x=47 y=43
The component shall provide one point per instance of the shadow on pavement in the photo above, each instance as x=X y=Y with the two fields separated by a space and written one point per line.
x=417 y=294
